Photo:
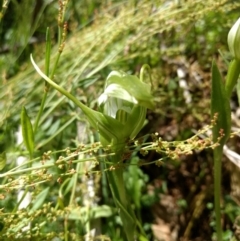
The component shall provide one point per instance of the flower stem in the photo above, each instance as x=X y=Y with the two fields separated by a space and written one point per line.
x=232 y=76
x=119 y=192
x=217 y=153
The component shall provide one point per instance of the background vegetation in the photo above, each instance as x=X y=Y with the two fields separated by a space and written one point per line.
x=174 y=200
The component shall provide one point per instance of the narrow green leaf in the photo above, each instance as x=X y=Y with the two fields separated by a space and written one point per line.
x=220 y=105
x=128 y=220
x=56 y=132
x=109 y=128
x=39 y=200
x=46 y=89
x=48 y=52
x=27 y=131
x=3 y=160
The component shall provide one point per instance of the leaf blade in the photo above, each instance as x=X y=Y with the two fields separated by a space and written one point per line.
x=40 y=198
x=220 y=104
x=27 y=131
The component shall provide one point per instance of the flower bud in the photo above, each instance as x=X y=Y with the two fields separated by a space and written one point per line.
x=234 y=40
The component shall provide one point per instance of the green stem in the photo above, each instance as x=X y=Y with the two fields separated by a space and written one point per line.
x=47 y=71
x=48 y=52
x=26 y=170
x=232 y=77
x=40 y=112
x=117 y=187
x=47 y=68
x=60 y=33
x=55 y=65
x=220 y=132
x=75 y=182
x=66 y=228
x=217 y=155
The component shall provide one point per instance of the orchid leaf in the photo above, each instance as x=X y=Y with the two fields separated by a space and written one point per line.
x=109 y=128
x=27 y=131
x=220 y=105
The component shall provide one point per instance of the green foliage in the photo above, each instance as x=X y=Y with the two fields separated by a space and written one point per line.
x=27 y=131
x=220 y=107
x=122 y=35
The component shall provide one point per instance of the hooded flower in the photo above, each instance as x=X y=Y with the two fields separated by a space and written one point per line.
x=126 y=99
x=234 y=40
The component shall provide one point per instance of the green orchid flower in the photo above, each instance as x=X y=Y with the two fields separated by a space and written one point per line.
x=122 y=113
x=123 y=106
x=234 y=40
x=126 y=99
